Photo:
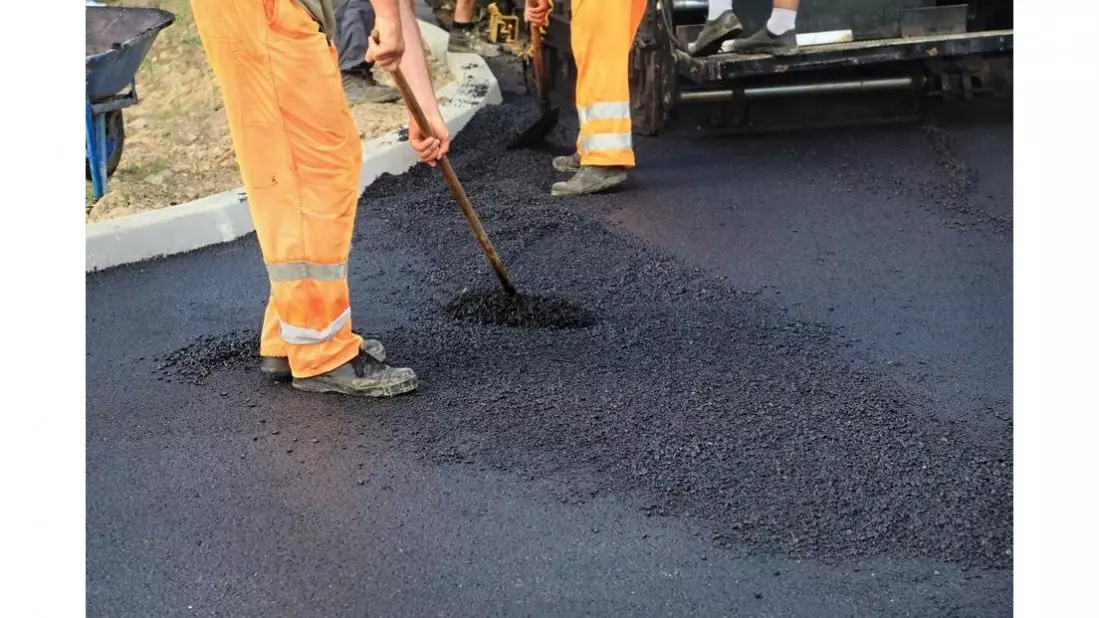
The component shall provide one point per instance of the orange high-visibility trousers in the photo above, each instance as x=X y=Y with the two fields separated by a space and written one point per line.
x=300 y=158
x=602 y=34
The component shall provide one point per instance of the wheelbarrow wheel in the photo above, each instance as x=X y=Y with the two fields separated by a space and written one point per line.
x=116 y=136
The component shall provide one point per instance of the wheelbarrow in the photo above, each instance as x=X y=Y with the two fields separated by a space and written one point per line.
x=116 y=41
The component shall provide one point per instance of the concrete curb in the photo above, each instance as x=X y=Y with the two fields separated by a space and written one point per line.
x=224 y=216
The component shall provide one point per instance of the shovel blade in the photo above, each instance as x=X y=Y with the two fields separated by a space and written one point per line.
x=536 y=132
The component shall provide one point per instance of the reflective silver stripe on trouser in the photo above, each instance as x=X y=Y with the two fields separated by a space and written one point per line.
x=297 y=271
x=606 y=141
x=603 y=111
x=297 y=335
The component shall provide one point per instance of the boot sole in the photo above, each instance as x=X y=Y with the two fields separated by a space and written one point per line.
x=609 y=183
x=388 y=390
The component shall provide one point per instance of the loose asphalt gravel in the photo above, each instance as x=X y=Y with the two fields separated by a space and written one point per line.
x=771 y=377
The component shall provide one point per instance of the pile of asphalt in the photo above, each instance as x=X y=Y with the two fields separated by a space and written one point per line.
x=686 y=397
x=520 y=310
x=197 y=361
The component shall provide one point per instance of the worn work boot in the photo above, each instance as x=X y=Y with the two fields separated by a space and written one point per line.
x=569 y=164
x=466 y=41
x=363 y=89
x=278 y=367
x=363 y=376
x=714 y=33
x=763 y=42
x=590 y=179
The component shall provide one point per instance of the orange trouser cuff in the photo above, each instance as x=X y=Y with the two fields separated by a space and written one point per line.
x=608 y=158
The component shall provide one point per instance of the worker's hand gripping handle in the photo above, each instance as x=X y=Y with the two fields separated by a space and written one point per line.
x=537 y=14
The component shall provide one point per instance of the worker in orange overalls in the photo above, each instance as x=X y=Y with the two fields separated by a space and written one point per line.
x=300 y=158
x=602 y=34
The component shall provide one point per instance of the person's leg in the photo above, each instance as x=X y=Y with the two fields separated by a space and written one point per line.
x=570 y=164
x=464 y=38
x=354 y=22
x=778 y=36
x=300 y=158
x=602 y=55
x=352 y=36
x=721 y=25
x=783 y=16
x=463 y=11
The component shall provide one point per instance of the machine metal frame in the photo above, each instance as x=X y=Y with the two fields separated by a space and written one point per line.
x=926 y=48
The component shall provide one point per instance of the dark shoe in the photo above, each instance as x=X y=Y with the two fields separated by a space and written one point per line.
x=763 y=42
x=467 y=42
x=714 y=33
x=362 y=376
x=363 y=89
x=278 y=367
x=569 y=164
x=590 y=179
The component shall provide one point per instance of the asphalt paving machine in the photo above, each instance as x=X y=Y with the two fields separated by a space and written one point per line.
x=885 y=58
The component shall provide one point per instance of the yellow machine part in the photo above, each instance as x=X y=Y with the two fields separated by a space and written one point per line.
x=503 y=30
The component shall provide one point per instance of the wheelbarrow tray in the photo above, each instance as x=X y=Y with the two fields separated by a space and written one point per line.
x=116 y=41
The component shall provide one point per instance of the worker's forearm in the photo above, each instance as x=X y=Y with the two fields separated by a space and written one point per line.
x=414 y=62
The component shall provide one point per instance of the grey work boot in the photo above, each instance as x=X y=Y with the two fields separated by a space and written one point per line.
x=714 y=33
x=590 y=179
x=764 y=42
x=569 y=164
x=362 y=376
x=278 y=367
x=467 y=41
x=363 y=89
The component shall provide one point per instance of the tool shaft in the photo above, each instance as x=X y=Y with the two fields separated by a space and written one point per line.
x=539 y=68
x=455 y=185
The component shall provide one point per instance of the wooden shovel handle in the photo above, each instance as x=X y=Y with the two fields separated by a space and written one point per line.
x=452 y=179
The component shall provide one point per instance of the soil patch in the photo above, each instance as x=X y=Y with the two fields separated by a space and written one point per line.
x=177 y=146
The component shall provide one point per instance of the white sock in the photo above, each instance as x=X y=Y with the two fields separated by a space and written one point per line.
x=717 y=7
x=782 y=21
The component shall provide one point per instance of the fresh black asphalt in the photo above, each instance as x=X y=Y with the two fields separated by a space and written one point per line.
x=784 y=389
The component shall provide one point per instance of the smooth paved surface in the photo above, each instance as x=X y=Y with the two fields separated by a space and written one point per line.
x=797 y=401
